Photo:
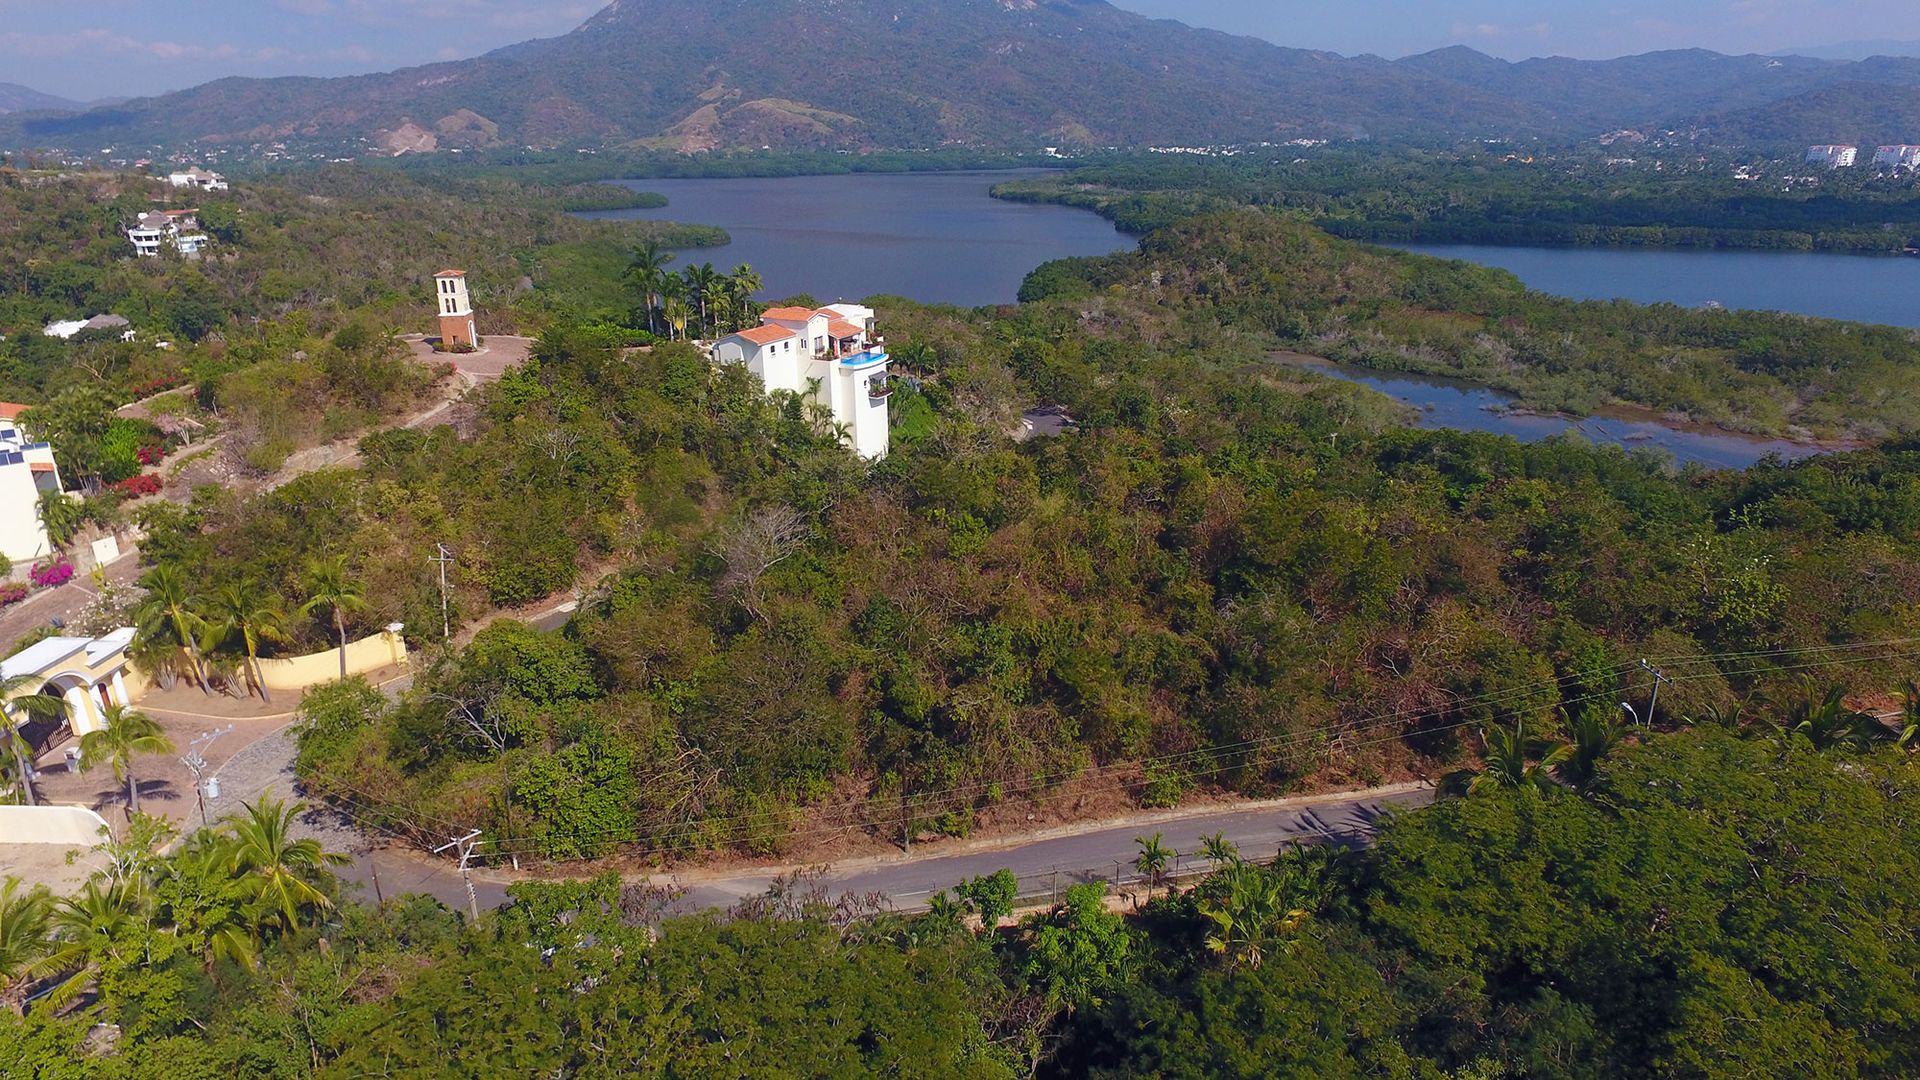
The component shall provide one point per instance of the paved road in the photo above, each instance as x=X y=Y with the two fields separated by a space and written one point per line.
x=1047 y=865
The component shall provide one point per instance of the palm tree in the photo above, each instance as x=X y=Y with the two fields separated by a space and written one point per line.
x=700 y=280
x=676 y=313
x=128 y=732
x=1827 y=722
x=715 y=298
x=745 y=281
x=61 y=515
x=1219 y=850
x=1909 y=716
x=284 y=873
x=1514 y=762
x=1249 y=906
x=26 y=937
x=329 y=587
x=90 y=929
x=244 y=611
x=1591 y=736
x=648 y=270
x=1731 y=717
x=15 y=709
x=1154 y=859
x=168 y=609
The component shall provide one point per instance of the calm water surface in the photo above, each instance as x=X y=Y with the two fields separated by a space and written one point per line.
x=1453 y=403
x=1862 y=288
x=933 y=237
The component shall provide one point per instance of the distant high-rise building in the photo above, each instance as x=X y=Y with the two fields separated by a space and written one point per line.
x=1833 y=157
x=1898 y=157
x=457 y=327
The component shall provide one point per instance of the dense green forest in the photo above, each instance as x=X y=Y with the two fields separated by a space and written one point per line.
x=1701 y=905
x=1294 y=287
x=1237 y=566
x=1503 y=197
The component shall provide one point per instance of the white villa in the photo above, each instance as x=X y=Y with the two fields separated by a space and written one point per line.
x=199 y=179
x=831 y=354
x=180 y=228
x=1897 y=157
x=1833 y=156
x=26 y=470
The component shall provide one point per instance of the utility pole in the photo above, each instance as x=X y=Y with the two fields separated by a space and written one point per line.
x=445 y=559
x=1658 y=678
x=466 y=844
x=196 y=763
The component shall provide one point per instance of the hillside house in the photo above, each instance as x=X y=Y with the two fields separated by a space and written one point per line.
x=1833 y=156
x=198 y=179
x=161 y=228
x=1897 y=157
x=70 y=329
x=26 y=469
x=831 y=355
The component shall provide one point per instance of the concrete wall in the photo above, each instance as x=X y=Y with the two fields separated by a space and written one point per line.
x=69 y=826
x=383 y=650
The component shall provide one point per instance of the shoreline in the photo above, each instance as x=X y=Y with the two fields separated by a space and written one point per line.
x=1624 y=412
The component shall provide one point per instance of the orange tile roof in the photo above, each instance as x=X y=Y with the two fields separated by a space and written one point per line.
x=842 y=328
x=451 y=273
x=10 y=411
x=40 y=466
x=789 y=314
x=766 y=335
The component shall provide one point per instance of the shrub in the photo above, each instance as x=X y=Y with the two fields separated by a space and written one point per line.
x=151 y=455
x=12 y=593
x=138 y=487
x=50 y=575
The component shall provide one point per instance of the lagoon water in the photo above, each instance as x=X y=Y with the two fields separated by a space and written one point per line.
x=941 y=238
x=1465 y=406
x=1862 y=288
x=932 y=237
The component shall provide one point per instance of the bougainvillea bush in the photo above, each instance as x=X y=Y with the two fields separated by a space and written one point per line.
x=137 y=487
x=48 y=575
x=12 y=593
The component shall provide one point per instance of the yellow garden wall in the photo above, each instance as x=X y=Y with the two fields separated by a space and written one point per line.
x=383 y=650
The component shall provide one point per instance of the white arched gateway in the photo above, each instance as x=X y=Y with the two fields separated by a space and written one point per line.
x=89 y=674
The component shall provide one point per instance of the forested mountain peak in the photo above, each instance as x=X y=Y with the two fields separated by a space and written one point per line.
x=694 y=75
x=17 y=98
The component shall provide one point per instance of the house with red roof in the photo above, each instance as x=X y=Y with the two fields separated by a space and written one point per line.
x=832 y=355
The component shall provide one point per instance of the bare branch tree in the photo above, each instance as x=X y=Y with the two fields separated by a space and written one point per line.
x=767 y=538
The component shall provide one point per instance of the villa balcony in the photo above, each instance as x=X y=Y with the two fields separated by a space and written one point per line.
x=880 y=389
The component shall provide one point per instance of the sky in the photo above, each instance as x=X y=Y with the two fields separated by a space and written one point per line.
x=88 y=49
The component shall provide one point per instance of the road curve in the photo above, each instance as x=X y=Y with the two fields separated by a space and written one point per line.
x=1095 y=851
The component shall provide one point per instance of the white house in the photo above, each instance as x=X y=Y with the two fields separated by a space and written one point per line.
x=199 y=179
x=1897 y=157
x=26 y=470
x=179 y=228
x=830 y=354
x=72 y=328
x=1833 y=157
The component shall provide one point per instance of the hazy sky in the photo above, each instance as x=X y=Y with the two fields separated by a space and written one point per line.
x=95 y=48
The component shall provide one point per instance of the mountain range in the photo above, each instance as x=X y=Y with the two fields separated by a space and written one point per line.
x=855 y=74
x=17 y=98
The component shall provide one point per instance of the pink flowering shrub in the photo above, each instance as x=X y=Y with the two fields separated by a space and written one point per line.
x=50 y=575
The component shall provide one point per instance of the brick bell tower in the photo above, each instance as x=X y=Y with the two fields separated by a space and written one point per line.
x=456 y=310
